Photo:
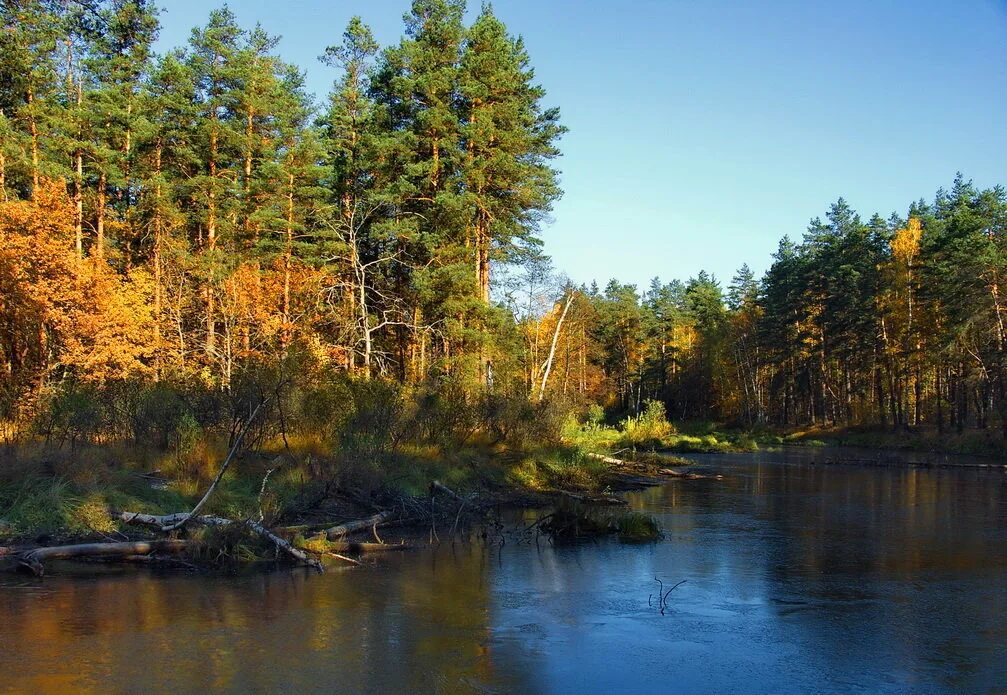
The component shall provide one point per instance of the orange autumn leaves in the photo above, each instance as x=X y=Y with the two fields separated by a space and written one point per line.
x=66 y=315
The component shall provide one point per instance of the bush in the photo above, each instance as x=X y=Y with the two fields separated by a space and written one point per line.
x=71 y=413
x=163 y=418
x=376 y=422
x=595 y=416
x=636 y=527
x=649 y=428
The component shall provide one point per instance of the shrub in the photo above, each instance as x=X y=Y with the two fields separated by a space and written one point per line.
x=164 y=419
x=651 y=427
x=376 y=422
x=636 y=527
x=72 y=413
x=595 y=416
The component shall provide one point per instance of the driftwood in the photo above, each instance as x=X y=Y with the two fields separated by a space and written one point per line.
x=33 y=559
x=438 y=486
x=348 y=527
x=591 y=499
x=172 y=520
x=361 y=548
x=665 y=472
x=609 y=460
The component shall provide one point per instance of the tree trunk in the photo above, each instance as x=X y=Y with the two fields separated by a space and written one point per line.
x=211 y=242
x=33 y=559
x=552 y=349
x=33 y=129
x=337 y=532
x=100 y=209
x=288 y=253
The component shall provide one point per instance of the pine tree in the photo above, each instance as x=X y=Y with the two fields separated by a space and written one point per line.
x=119 y=62
x=212 y=59
x=509 y=141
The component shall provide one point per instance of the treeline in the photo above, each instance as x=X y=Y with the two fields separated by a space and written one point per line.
x=183 y=216
x=195 y=219
x=888 y=322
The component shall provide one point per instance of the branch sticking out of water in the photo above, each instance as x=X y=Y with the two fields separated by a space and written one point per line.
x=662 y=595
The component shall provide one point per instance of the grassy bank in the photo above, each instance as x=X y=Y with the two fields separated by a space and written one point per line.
x=52 y=495
x=652 y=432
x=338 y=451
x=972 y=443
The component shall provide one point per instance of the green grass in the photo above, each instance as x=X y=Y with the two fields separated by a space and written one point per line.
x=566 y=469
x=972 y=443
x=656 y=436
x=636 y=527
x=575 y=523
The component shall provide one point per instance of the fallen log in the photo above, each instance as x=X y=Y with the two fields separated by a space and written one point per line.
x=348 y=527
x=666 y=472
x=361 y=548
x=591 y=499
x=169 y=520
x=438 y=486
x=608 y=459
x=33 y=559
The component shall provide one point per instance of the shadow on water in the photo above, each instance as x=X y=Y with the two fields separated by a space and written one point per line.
x=800 y=576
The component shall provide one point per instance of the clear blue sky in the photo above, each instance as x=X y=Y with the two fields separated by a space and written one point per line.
x=701 y=132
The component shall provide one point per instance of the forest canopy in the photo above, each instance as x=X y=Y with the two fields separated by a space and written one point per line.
x=196 y=217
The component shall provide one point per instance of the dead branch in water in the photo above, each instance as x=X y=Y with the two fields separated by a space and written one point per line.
x=33 y=559
x=608 y=500
x=663 y=595
x=347 y=527
x=172 y=520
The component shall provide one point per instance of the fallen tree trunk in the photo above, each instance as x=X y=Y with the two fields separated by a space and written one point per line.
x=169 y=520
x=33 y=559
x=591 y=499
x=361 y=548
x=608 y=459
x=286 y=547
x=438 y=486
x=347 y=527
x=666 y=472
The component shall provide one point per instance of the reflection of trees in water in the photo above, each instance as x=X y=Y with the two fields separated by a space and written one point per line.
x=858 y=570
x=417 y=622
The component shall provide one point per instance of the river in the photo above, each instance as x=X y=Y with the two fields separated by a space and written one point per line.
x=798 y=576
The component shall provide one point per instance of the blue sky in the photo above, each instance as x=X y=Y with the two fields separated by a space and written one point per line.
x=701 y=132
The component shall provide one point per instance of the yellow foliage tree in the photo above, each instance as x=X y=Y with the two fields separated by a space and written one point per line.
x=62 y=312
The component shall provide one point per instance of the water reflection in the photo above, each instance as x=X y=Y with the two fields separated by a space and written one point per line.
x=799 y=577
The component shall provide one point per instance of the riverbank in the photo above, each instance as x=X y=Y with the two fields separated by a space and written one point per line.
x=648 y=433
x=269 y=505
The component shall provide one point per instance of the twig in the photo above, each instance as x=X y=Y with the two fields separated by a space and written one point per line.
x=662 y=595
x=345 y=559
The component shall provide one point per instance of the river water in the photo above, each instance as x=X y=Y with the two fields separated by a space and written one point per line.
x=798 y=577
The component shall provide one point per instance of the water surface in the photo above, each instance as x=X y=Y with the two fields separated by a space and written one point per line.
x=799 y=576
